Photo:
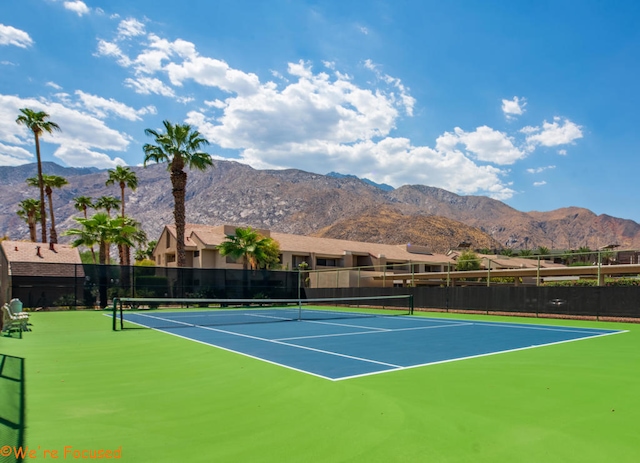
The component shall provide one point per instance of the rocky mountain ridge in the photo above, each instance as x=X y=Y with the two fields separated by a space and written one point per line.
x=294 y=201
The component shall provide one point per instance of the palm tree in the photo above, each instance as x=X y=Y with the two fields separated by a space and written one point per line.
x=255 y=250
x=86 y=236
x=82 y=203
x=107 y=203
x=30 y=212
x=131 y=233
x=179 y=146
x=101 y=229
x=543 y=251
x=50 y=182
x=37 y=123
x=124 y=177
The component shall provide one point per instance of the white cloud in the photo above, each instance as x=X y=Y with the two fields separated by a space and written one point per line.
x=485 y=143
x=14 y=155
x=408 y=102
x=319 y=120
x=101 y=107
x=213 y=73
x=111 y=49
x=540 y=169
x=130 y=27
x=558 y=132
x=79 y=131
x=539 y=183
x=312 y=108
x=392 y=160
x=12 y=36
x=77 y=6
x=513 y=108
x=216 y=104
x=81 y=156
x=53 y=85
x=149 y=85
x=562 y=152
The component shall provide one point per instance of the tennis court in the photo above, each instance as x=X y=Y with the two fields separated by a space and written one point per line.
x=158 y=395
x=339 y=345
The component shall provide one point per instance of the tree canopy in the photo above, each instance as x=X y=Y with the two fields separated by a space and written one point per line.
x=255 y=250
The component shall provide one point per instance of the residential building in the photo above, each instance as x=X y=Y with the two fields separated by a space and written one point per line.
x=342 y=262
x=39 y=273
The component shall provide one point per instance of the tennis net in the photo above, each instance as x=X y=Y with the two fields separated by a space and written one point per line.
x=163 y=313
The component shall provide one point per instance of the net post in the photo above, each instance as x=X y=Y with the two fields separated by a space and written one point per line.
x=121 y=317
x=410 y=304
x=114 y=313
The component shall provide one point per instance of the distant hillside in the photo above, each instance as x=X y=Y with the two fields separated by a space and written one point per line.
x=382 y=186
x=294 y=201
x=386 y=225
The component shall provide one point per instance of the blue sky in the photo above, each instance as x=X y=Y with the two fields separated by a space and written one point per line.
x=533 y=103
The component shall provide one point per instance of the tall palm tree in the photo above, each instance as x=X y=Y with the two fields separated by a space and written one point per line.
x=107 y=203
x=82 y=203
x=37 y=122
x=124 y=177
x=30 y=212
x=50 y=182
x=179 y=146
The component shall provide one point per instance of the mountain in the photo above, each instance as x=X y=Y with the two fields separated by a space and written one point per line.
x=294 y=201
x=382 y=186
x=386 y=225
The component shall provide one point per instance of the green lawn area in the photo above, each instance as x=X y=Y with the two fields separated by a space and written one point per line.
x=161 y=398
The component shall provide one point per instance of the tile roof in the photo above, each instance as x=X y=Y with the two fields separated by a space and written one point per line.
x=23 y=259
x=211 y=236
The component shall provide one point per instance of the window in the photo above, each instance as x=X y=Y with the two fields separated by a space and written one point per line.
x=168 y=243
x=323 y=262
x=196 y=253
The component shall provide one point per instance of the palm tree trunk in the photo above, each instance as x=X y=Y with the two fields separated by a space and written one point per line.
x=104 y=252
x=122 y=191
x=54 y=234
x=179 y=182
x=31 y=220
x=43 y=215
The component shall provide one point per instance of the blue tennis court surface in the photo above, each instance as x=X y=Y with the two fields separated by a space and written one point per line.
x=342 y=348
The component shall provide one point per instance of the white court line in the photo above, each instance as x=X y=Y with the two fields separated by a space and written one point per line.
x=392 y=366
x=356 y=333
x=233 y=333
x=479 y=355
x=159 y=330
